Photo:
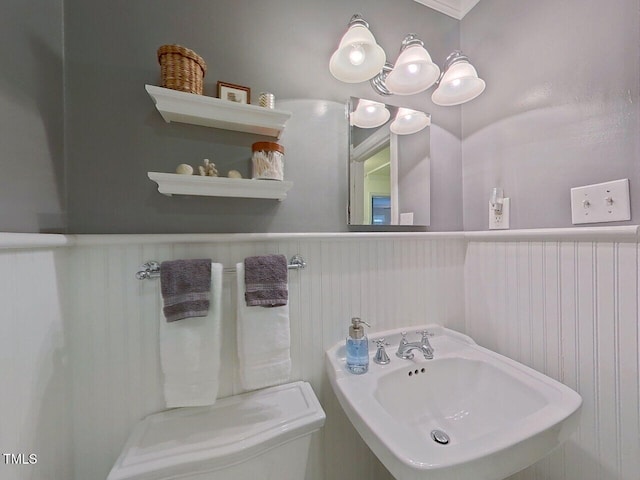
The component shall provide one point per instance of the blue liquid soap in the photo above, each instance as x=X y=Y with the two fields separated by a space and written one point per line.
x=357 y=348
x=358 y=355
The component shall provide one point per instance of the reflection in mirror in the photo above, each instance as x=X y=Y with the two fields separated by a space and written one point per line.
x=389 y=161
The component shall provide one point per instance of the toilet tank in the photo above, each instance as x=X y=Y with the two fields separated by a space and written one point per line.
x=263 y=435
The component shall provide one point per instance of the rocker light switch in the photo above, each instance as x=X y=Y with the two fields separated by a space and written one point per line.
x=603 y=202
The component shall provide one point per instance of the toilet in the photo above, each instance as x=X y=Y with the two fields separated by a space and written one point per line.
x=263 y=435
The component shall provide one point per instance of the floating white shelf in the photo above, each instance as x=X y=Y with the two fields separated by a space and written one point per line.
x=173 y=184
x=176 y=106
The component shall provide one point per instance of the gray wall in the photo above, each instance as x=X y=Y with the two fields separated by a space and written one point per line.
x=31 y=113
x=560 y=109
x=115 y=135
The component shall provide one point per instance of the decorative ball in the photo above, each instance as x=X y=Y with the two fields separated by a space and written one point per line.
x=234 y=174
x=184 y=169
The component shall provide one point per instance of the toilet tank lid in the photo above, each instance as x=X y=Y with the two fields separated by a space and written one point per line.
x=203 y=439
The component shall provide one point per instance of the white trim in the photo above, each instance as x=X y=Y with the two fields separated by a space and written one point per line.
x=371 y=145
x=33 y=240
x=629 y=233
x=454 y=8
x=393 y=179
x=588 y=234
x=611 y=234
x=148 y=239
x=379 y=167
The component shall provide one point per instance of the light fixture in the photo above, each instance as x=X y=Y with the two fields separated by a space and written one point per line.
x=378 y=83
x=459 y=83
x=414 y=71
x=369 y=114
x=409 y=121
x=358 y=57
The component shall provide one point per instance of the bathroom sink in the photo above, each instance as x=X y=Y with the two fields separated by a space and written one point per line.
x=469 y=413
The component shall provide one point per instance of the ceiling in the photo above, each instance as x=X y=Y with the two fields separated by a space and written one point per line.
x=454 y=8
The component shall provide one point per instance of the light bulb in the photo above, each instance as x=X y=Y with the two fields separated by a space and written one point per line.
x=369 y=114
x=413 y=68
x=459 y=84
x=356 y=55
x=409 y=121
x=413 y=72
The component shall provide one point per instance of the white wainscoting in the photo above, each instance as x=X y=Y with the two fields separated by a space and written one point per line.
x=568 y=309
x=388 y=281
x=79 y=338
x=35 y=383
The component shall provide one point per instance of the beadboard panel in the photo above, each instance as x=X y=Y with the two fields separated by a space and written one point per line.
x=116 y=374
x=34 y=365
x=569 y=310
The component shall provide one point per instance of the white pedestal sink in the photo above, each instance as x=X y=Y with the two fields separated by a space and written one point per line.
x=497 y=415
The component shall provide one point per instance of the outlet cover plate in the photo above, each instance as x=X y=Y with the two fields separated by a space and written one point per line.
x=590 y=204
x=499 y=222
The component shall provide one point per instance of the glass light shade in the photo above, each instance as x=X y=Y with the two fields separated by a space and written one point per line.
x=409 y=121
x=459 y=84
x=370 y=114
x=358 y=57
x=413 y=72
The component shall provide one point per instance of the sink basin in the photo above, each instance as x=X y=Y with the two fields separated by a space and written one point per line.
x=496 y=416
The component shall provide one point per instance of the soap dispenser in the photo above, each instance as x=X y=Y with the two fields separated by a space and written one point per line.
x=357 y=347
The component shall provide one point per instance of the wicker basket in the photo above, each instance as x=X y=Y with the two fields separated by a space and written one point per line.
x=181 y=69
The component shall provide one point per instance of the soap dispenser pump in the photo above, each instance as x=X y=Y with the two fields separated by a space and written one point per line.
x=357 y=347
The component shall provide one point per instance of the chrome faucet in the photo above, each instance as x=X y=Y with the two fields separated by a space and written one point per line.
x=405 y=349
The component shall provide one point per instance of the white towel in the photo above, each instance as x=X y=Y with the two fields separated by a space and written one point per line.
x=190 y=353
x=263 y=341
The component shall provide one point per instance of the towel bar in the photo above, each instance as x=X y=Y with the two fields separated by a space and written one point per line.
x=151 y=269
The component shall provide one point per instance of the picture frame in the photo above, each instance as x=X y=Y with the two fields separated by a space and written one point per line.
x=234 y=93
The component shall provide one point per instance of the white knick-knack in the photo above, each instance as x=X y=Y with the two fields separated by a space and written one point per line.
x=208 y=169
x=234 y=174
x=184 y=169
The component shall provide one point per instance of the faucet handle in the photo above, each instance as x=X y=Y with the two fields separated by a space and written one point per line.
x=381 y=357
x=381 y=342
x=428 y=353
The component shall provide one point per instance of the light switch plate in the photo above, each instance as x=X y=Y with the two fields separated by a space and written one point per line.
x=499 y=222
x=602 y=202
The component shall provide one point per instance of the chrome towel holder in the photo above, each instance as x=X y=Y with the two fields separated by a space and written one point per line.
x=151 y=269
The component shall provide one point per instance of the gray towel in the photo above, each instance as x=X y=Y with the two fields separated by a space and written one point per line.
x=265 y=280
x=186 y=288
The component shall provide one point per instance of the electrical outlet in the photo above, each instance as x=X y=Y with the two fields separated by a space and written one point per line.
x=406 y=218
x=499 y=222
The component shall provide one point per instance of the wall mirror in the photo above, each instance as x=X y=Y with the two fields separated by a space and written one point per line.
x=389 y=166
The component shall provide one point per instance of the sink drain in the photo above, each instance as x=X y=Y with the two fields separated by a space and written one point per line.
x=440 y=437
